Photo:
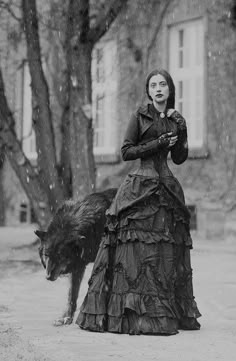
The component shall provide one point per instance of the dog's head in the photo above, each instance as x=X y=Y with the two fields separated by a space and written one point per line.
x=74 y=234
x=58 y=254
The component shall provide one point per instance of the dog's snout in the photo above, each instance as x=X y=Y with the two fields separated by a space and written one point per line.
x=49 y=277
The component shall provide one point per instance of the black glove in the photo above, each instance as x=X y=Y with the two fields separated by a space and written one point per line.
x=180 y=121
x=144 y=150
x=163 y=140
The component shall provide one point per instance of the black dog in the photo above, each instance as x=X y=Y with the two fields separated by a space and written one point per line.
x=71 y=242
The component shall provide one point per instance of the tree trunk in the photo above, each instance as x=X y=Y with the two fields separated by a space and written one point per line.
x=78 y=57
x=82 y=161
x=42 y=118
x=65 y=162
x=28 y=175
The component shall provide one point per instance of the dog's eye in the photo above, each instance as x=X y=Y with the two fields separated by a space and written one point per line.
x=48 y=253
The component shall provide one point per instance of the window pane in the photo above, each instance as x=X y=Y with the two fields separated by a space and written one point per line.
x=181 y=50
x=99 y=122
x=104 y=98
x=186 y=53
x=181 y=59
x=181 y=38
x=180 y=94
x=180 y=107
x=100 y=65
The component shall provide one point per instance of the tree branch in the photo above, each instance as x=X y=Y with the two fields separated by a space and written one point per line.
x=8 y=7
x=159 y=24
x=24 y=170
x=105 y=19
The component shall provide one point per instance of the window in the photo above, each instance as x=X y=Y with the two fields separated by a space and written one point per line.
x=28 y=135
x=26 y=213
x=186 y=65
x=181 y=48
x=100 y=71
x=99 y=125
x=104 y=85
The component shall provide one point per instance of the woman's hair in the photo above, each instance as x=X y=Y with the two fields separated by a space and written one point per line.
x=170 y=83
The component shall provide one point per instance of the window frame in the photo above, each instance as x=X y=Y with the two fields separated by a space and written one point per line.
x=202 y=150
x=105 y=88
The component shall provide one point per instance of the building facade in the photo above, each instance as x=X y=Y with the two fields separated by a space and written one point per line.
x=195 y=41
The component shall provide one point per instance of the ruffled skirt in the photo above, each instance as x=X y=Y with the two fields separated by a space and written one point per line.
x=141 y=281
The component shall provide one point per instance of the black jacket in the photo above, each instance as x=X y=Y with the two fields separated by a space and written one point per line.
x=142 y=138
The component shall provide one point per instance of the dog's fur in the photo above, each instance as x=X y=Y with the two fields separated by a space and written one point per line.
x=71 y=242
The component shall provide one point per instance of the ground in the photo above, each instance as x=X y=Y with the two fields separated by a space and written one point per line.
x=29 y=304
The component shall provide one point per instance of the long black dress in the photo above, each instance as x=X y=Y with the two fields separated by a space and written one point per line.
x=141 y=281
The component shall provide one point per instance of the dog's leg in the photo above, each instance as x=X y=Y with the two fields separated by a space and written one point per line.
x=75 y=282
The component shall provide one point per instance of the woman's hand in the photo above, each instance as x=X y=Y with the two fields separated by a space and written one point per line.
x=173 y=140
x=167 y=139
x=164 y=140
x=170 y=112
x=177 y=117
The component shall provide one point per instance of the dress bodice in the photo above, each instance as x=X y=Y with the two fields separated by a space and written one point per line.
x=141 y=140
x=154 y=166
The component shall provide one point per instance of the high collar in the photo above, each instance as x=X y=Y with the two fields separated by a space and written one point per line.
x=145 y=110
x=149 y=110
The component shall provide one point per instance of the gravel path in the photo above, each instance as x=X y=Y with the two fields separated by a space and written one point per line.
x=29 y=304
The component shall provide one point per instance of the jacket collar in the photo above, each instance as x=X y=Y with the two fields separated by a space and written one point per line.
x=148 y=110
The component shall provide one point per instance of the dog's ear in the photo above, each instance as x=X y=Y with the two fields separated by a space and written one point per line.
x=41 y=234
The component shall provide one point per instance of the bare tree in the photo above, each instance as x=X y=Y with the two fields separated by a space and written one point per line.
x=47 y=184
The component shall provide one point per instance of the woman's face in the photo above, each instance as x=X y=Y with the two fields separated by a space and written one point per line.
x=158 y=89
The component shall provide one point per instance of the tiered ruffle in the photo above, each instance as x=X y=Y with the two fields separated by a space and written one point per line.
x=142 y=277
x=149 y=217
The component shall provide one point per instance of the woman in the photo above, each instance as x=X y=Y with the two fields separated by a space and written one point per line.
x=141 y=282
